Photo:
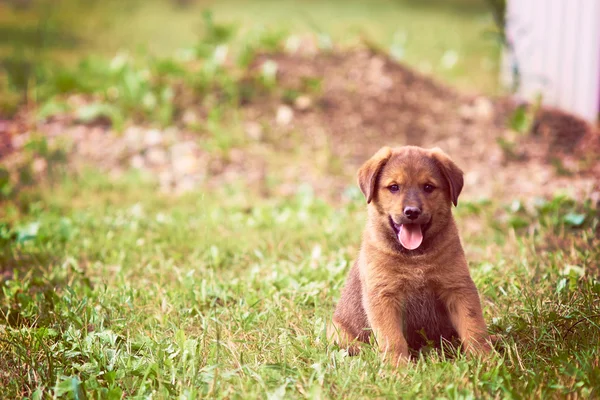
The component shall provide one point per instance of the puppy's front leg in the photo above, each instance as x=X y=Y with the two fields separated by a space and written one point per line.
x=462 y=301
x=385 y=317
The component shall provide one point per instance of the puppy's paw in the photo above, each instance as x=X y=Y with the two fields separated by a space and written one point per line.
x=479 y=348
x=353 y=349
x=340 y=337
x=396 y=359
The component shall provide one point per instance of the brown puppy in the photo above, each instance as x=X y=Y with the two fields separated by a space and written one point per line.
x=410 y=284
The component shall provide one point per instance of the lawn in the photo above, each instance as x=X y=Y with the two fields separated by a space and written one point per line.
x=451 y=39
x=115 y=285
x=119 y=291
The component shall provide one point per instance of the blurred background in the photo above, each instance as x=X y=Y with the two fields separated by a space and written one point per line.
x=68 y=30
x=236 y=80
x=139 y=74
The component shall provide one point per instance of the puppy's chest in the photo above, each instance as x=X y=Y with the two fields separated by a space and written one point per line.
x=392 y=281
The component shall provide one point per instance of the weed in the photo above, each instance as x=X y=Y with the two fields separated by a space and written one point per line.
x=114 y=291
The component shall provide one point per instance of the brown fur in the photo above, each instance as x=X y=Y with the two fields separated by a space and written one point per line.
x=409 y=298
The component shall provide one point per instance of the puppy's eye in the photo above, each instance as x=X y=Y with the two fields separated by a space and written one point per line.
x=428 y=188
x=394 y=188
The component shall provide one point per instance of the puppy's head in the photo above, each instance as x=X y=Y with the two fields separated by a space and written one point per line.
x=411 y=191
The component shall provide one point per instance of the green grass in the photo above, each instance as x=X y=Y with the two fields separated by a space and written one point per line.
x=450 y=39
x=114 y=290
x=422 y=32
x=49 y=48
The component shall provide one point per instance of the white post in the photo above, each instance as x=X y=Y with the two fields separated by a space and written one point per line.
x=556 y=46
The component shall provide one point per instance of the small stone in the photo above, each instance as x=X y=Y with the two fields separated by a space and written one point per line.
x=182 y=148
x=187 y=184
x=137 y=161
x=184 y=159
x=472 y=178
x=303 y=103
x=292 y=44
x=170 y=136
x=254 y=130
x=153 y=137
x=466 y=112
x=269 y=70
x=156 y=156
x=39 y=165
x=186 y=164
x=284 y=116
x=134 y=138
x=220 y=54
x=189 y=118
x=483 y=109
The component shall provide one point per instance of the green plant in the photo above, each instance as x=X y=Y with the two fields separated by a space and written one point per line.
x=114 y=289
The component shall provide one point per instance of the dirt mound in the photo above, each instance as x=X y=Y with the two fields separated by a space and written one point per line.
x=367 y=101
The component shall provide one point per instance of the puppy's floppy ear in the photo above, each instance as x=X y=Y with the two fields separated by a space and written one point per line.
x=367 y=174
x=451 y=172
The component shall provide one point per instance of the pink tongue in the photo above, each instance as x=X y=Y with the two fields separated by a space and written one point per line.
x=410 y=236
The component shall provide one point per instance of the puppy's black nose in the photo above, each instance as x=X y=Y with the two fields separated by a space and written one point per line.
x=412 y=212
